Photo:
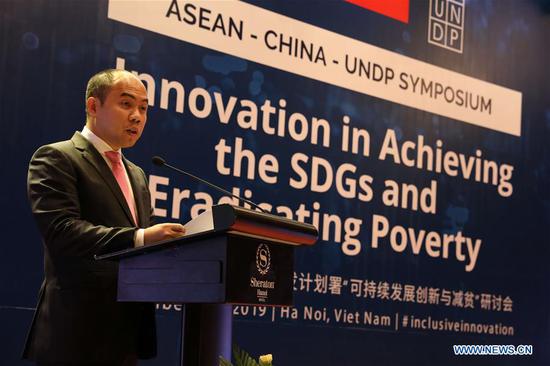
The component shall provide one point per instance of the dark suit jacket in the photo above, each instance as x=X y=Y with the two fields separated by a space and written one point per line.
x=81 y=211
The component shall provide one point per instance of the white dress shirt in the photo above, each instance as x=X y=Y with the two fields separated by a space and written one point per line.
x=101 y=146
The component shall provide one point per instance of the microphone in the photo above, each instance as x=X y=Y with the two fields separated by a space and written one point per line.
x=157 y=160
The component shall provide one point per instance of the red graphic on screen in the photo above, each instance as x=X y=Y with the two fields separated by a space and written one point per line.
x=396 y=9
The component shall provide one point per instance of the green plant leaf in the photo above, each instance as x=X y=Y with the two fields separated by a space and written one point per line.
x=242 y=358
x=224 y=362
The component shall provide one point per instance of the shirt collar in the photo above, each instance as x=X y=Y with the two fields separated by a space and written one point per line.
x=98 y=143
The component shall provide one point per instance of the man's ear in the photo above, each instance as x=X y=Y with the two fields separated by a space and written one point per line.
x=91 y=106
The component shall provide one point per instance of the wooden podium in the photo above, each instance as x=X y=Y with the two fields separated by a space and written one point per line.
x=232 y=255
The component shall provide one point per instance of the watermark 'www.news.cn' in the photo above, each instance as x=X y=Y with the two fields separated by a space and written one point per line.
x=492 y=350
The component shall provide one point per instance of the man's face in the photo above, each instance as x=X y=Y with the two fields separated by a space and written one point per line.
x=120 y=120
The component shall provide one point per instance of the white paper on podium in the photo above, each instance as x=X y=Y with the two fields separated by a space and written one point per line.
x=201 y=223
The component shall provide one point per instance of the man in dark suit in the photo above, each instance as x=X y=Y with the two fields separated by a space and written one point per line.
x=87 y=199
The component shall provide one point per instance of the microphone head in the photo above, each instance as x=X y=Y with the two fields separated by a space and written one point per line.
x=157 y=160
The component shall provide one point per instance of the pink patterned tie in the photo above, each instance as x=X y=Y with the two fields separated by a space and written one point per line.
x=118 y=172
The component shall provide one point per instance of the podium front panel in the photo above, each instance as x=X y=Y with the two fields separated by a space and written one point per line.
x=189 y=273
x=224 y=268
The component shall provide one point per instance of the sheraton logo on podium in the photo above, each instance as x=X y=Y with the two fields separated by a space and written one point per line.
x=263 y=259
x=263 y=264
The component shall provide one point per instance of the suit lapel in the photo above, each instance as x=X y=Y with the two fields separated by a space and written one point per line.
x=92 y=156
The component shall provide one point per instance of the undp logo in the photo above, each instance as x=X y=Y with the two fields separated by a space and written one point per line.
x=263 y=259
x=446 y=24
